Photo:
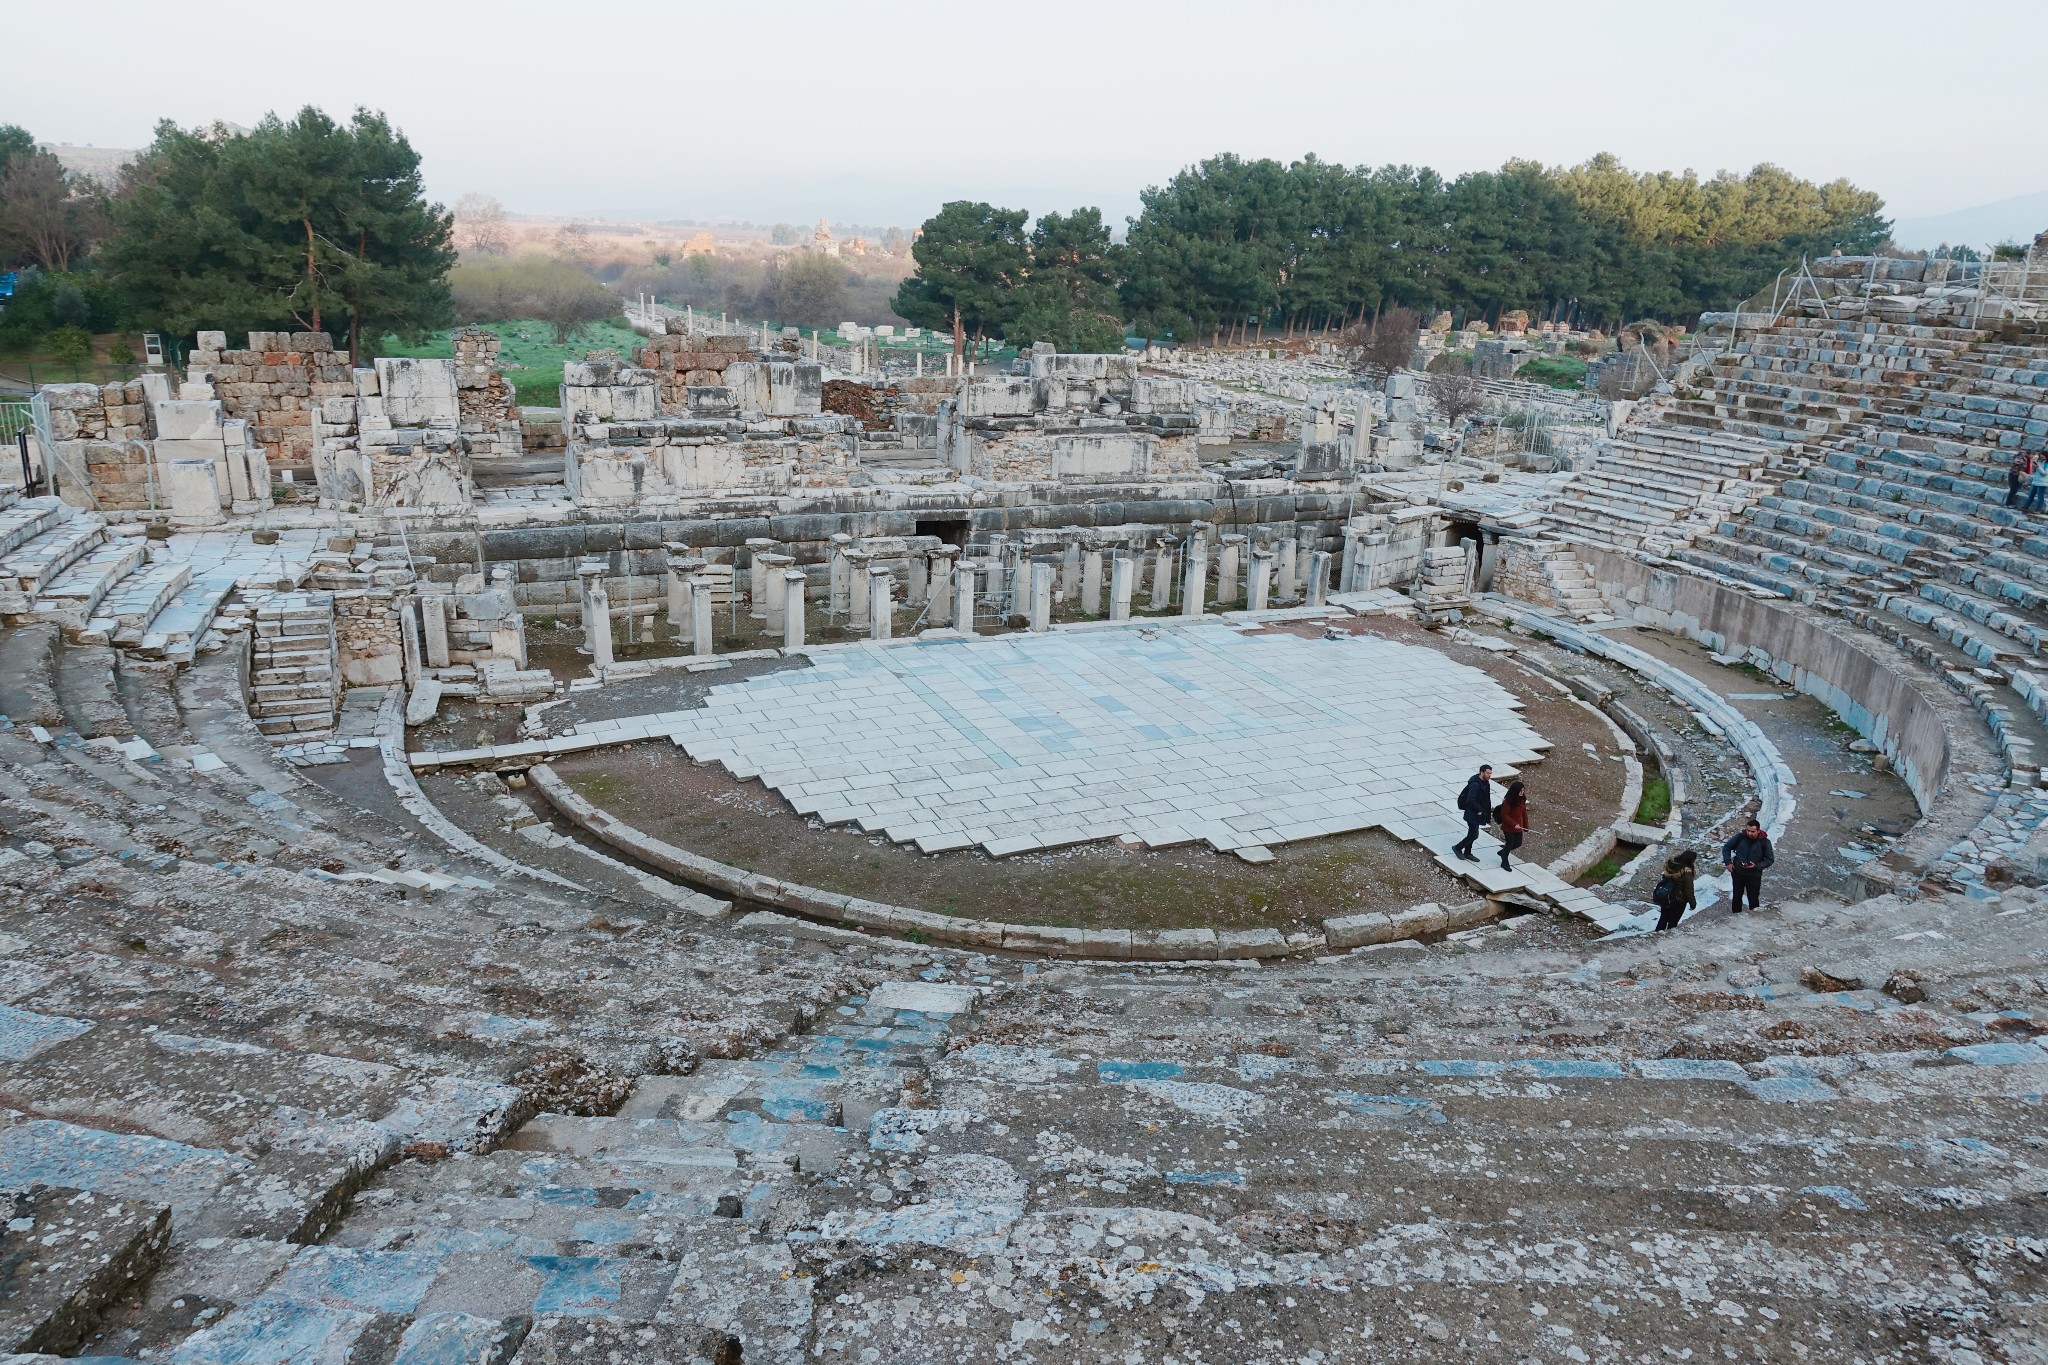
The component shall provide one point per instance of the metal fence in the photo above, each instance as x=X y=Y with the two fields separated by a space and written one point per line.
x=15 y=418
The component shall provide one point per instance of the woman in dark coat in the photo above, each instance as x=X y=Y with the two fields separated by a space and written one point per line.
x=1674 y=895
x=1514 y=821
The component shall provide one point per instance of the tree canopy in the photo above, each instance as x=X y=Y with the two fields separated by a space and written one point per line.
x=293 y=224
x=971 y=259
x=1237 y=243
x=48 y=217
x=1069 y=296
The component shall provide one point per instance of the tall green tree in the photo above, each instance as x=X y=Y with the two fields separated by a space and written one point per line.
x=15 y=141
x=301 y=223
x=970 y=259
x=1234 y=246
x=1070 y=297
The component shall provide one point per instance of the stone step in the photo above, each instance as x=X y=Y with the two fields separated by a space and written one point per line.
x=23 y=519
x=32 y=568
x=138 y=599
x=70 y=600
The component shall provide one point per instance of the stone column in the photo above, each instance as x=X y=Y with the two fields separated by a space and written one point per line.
x=998 y=563
x=1162 y=576
x=682 y=567
x=920 y=571
x=840 y=589
x=1070 y=571
x=771 y=591
x=1091 y=584
x=757 y=576
x=1196 y=586
x=1290 y=548
x=1347 y=574
x=434 y=628
x=793 y=582
x=596 y=623
x=1042 y=573
x=940 y=612
x=590 y=576
x=963 y=595
x=881 y=610
x=1319 y=577
x=703 y=634
x=1261 y=579
x=414 y=658
x=861 y=599
x=1227 y=570
x=1123 y=573
x=1015 y=589
x=509 y=642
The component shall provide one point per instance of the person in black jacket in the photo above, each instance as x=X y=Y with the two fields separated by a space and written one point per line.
x=1746 y=855
x=1475 y=803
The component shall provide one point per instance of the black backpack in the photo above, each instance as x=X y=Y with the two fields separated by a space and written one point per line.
x=1661 y=896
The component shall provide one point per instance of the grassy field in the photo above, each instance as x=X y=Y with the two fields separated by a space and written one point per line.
x=530 y=357
x=1558 y=371
x=24 y=368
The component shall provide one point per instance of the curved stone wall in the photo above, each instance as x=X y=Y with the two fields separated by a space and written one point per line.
x=1882 y=706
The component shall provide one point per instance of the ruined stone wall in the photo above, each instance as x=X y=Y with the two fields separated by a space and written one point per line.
x=1100 y=452
x=101 y=454
x=368 y=598
x=1080 y=418
x=544 y=557
x=623 y=450
x=276 y=383
x=681 y=363
x=1520 y=573
x=488 y=414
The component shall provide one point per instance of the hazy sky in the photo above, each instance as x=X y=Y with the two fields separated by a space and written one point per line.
x=875 y=113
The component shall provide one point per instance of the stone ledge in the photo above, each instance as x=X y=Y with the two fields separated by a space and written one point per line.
x=1146 y=945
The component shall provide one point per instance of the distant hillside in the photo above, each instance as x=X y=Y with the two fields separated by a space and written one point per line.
x=2008 y=220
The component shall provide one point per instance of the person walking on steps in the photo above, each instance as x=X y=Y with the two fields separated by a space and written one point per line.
x=1475 y=803
x=2016 y=476
x=1746 y=854
x=1674 y=893
x=1513 y=814
x=2037 y=487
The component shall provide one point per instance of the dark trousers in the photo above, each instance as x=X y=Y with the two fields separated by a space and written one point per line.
x=1473 y=824
x=1510 y=840
x=2012 y=488
x=1749 y=882
x=2035 y=494
x=1668 y=915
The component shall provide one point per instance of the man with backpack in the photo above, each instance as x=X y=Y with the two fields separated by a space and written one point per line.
x=1475 y=803
x=1746 y=854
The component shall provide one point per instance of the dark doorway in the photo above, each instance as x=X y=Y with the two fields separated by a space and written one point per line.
x=950 y=532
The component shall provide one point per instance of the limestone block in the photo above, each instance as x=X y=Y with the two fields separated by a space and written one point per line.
x=1162 y=395
x=418 y=392
x=703 y=467
x=212 y=341
x=996 y=398
x=192 y=489
x=1090 y=455
x=712 y=400
x=1353 y=931
x=424 y=701
x=72 y=397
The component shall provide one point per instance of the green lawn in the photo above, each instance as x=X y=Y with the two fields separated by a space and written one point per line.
x=1558 y=371
x=530 y=357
